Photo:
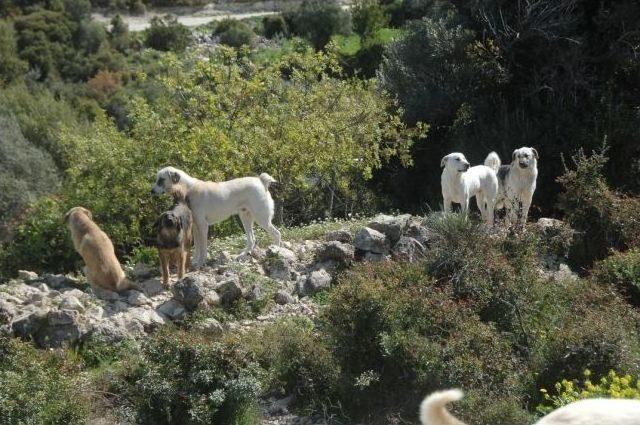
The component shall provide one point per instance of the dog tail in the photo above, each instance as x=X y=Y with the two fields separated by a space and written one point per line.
x=493 y=161
x=179 y=193
x=433 y=409
x=266 y=180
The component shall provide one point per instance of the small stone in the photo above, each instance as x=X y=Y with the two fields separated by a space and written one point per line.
x=69 y=302
x=282 y=297
x=341 y=235
x=172 y=309
x=373 y=257
x=55 y=281
x=27 y=276
x=189 y=291
x=392 y=227
x=256 y=293
x=317 y=281
x=211 y=327
x=151 y=287
x=408 y=250
x=105 y=294
x=229 y=291
x=336 y=251
x=371 y=240
x=137 y=298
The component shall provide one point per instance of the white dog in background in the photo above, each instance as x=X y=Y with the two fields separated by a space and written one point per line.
x=460 y=182
x=597 y=411
x=212 y=202
x=517 y=183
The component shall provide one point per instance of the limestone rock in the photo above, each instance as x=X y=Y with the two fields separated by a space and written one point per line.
x=391 y=226
x=371 y=240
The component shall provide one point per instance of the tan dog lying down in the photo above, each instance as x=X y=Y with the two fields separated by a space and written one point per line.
x=596 y=411
x=94 y=246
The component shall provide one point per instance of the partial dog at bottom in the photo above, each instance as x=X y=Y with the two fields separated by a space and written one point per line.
x=175 y=236
x=594 y=411
x=102 y=268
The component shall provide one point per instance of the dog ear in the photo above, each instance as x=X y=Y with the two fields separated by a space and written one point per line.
x=443 y=160
x=535 y=153
x=66 y=216
x=513 y=155
x=175 y=177
x=88 y=213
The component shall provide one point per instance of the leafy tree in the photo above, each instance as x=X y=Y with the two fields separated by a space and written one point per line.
x=167 y=34
x=234 y=33
x=11 y=66
x=368 y=17
x=318 y=20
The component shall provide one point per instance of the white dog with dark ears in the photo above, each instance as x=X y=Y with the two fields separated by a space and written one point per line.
x=596 y=411
x=460 y=182
x=212 y=202
x=517 y=183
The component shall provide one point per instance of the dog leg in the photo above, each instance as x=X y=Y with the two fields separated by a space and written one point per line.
x=182 y=264
x=164 y=268
x=265 y=223
x=200 y=238
x=524 y=212
x=247 y=223
x=447 y=205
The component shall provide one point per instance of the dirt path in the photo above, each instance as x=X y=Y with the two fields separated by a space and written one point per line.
x=200 y=15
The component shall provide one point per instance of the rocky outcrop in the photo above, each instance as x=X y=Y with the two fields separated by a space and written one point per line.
x=57 y=310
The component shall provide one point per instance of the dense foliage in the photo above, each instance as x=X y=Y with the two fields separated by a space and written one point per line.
x=556 y=75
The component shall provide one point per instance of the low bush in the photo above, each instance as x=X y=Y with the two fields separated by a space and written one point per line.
x=398 y=336
x=40 y=387
x=234 y=33
x=610 y=385
x=275 y=26
x=318 y=20
x=621 y=270
x=185 y=377
x=168 y=34
x=298 y=361
x=368 y=17
x=605 y=218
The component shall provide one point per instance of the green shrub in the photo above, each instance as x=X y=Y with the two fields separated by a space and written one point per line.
x=368 y=17
x=318 y=20
x=188 y=378
x=11 y=66
x=234 y=33
x=40 y=387
x=26 y=172
x=591 y=336
x=275 y=26
x=298 y=361
x=622 y=271
x=605 y=218
x=610 y=385
x=167 y=34
x=398 y=336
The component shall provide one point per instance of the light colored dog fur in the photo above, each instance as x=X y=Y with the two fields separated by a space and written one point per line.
x=460 y=182
x=102 y=268
x=212 y=202
x=517 y=183
x=598 y=411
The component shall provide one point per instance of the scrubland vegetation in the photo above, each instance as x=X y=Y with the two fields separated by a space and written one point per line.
x=351 y=112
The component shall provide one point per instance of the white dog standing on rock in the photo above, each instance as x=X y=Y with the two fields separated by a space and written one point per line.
x=460 y=182
x=596 y=411
x=212 y=202
x=517 y=183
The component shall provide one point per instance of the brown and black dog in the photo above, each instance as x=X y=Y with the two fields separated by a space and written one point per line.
x=175 y=235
